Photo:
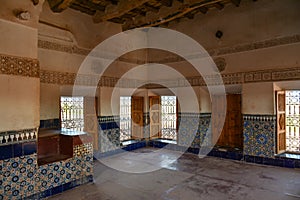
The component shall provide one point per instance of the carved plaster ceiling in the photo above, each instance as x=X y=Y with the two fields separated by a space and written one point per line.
x=140 y=13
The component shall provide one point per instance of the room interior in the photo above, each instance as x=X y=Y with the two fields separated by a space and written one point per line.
x=76 y=88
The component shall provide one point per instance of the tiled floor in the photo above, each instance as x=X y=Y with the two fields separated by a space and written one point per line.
x=188 y=177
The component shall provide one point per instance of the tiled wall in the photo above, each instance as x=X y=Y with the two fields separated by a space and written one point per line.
x=193 y=127
x=14 y=138
x=50 y=123
x=259 y=135
x=109 y=133
x=21 y=177
x=258 y=131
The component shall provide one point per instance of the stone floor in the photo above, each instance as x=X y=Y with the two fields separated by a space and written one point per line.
x=150 y=173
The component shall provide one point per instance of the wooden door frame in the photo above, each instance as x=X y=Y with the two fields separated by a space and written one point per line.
x=280 y=122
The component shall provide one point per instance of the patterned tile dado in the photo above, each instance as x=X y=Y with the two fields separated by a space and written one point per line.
x=259 y=135
x=188 y=128
x=12 y=137
x=109 y=133
x=20 y=66
x=21 y=177
x=18 y=177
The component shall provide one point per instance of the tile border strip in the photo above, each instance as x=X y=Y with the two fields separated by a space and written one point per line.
x=13 y=137
x=247 y=117
x=20 y=66
x=270 y=75
x=285 y=40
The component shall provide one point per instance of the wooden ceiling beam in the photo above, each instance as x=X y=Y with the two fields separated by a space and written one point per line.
x=182 y=11
x=151 y=8
x=59 y=5
x=219 y=6
x=236 y=2
x=167 y=3
x=115 y=11
x=190 y=15
x=203 y=10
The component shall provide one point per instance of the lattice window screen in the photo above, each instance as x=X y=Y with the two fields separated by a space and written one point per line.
x=293 y=121
x=72 y=113
x=125 y=118
x=168 y=117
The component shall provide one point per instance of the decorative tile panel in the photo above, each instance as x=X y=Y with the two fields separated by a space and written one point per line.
x=259 y=135
x=188 y=129
x=109 y=133
x=66 y=78
x=18 y=177
x=21 y=177
x=20 y=66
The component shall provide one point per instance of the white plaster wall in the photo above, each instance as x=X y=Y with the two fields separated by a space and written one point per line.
x=19 y=102
x=258 y=98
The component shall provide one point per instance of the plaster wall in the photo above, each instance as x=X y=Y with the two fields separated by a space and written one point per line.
x=17 y=39
x=19 y=102
x=250 y=22
x=50 y=98
x=258 y=99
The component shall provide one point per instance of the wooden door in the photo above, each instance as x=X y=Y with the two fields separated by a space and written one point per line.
x=154 y=103
x=231 y=134
x=90 y=118
x=137 y=105
x=281 y=130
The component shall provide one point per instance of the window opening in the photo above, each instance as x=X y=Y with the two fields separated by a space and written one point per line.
x=292 y=120
x=125 y=118
x=168 y=117
x=72 y=115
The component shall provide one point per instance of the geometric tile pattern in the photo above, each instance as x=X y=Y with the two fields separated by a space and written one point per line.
x=109 y=133
x=66 y=78
x=22 y=177
x=18 y=177
x=188 y=129
x=20 y=66
x=203 y=131
x=193 y=129
x=259 y=135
